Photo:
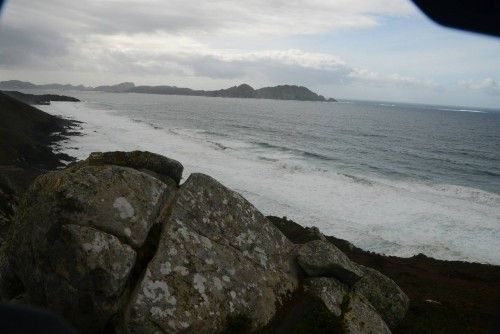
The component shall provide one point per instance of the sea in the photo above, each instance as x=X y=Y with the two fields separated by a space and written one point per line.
x=398 y=179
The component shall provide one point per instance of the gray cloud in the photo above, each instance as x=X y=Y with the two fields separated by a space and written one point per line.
x=182 y=38
x=34 y=31
x=24 y=46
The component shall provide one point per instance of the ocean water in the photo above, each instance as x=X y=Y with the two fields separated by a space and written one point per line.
x=392 y=178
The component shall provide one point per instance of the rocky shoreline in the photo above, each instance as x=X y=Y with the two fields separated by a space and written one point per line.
x=261 y=274
x=115 y=243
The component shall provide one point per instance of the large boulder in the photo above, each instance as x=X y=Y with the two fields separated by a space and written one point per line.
x=218 y=258
x=322 y=258
x=360 y=317
x=141 y=160
x=374 y=301
x=76 y=237
x=124 y=248
x=384 y=295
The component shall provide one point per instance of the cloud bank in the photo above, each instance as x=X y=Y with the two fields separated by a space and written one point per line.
x=201 y=41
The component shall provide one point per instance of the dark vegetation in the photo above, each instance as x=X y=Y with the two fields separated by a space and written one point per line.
x=446 y=296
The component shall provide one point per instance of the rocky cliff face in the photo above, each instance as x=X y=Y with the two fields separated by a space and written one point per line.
x=115 y=244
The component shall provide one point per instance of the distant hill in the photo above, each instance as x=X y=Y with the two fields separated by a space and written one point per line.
x=120 y=88
x=16 y=84
x=281 y=92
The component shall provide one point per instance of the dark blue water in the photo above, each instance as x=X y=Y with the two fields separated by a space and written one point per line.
x=453 y=145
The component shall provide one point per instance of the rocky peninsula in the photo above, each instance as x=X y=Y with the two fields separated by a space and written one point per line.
x=43 y=99
x=118 y=244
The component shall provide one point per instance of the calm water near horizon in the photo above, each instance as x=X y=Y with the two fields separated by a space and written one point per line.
x=395 y=178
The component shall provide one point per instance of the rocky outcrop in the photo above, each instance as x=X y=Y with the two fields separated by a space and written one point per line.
x=384 y=295
x=321 y=258
x=218 y=257
x=365 y=300
x=329 y=290
x=76 y=237
x=146 y=162
x=114 y=243
x=356 y=313
x=360 y=317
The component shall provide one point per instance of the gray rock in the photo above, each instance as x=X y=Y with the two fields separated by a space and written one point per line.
x=384 y=295
x=74 y=238
x=89 y=273
x=329 y=290
x=360 y=317
x=140 y=160
x=322 y=258
x=118 y=200
x=316 y=233
x=218 y=258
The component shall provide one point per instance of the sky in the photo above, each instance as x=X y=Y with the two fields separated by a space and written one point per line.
x=384 y=50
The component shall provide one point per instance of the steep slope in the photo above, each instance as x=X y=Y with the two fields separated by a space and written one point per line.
x=26 y=135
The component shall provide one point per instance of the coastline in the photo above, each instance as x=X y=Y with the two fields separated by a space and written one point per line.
x=446 y=296
x=395 y=214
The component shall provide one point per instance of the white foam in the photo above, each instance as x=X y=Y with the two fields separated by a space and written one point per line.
x=465 y=110
x=392 y=217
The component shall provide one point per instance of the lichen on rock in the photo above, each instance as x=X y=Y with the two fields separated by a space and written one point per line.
x=232 y=260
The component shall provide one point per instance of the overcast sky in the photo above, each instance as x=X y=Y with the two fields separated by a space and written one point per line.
x=360 y=49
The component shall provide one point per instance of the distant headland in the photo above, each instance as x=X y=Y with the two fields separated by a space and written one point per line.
x=281 y=92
